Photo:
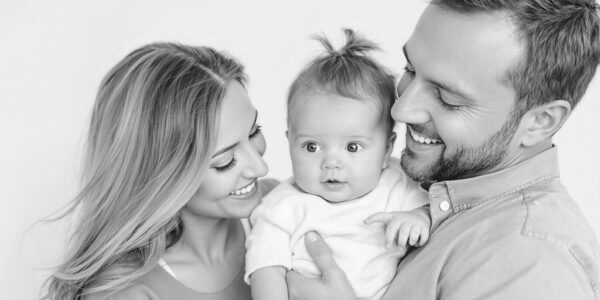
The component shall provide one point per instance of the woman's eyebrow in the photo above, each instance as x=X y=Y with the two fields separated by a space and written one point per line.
x=225 y=149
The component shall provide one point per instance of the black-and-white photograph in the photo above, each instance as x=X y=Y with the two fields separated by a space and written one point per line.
x=290 y=150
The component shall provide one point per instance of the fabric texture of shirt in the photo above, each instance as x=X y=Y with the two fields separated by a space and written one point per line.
x=286 y=214
x=160 y=285
x=512 y=234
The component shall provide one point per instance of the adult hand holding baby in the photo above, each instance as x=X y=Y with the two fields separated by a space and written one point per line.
x=332 y=284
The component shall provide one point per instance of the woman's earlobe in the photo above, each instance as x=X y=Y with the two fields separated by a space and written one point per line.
x=544 y=121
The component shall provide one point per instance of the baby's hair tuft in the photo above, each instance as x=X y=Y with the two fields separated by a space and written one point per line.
x=349 y=72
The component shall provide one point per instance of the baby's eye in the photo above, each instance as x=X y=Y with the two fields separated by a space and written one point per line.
x=353 y=147
x=311 y=147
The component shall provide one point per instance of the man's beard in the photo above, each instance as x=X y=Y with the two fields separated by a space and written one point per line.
x=466 y=161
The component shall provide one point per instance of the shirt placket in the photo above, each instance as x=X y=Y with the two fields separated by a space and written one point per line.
x=440 y=204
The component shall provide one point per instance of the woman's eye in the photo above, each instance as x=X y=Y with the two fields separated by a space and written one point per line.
x=226 y=167
x=354 y=147
x=311 y=147
x=409 y=70
x=256 y=131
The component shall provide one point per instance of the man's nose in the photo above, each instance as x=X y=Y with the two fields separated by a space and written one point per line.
x=411 y=105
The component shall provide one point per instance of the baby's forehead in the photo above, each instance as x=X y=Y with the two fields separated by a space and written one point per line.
x=310 y=101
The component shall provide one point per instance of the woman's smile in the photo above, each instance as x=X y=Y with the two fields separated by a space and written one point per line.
x=245 y=191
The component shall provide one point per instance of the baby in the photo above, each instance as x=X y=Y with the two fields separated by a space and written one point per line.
x=345 y=185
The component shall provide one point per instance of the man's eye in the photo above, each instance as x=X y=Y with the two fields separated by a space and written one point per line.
x=444 y=104
x=353 y=147
x=311 y=147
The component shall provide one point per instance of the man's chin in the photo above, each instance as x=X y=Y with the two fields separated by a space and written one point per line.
x=419 y=171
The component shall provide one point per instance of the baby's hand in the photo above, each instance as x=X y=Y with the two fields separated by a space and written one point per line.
x=403 y=227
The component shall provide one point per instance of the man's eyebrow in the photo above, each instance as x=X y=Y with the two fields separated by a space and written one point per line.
x=225 y=149
x=445 y=86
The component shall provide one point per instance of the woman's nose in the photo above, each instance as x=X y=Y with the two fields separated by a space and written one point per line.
x=256 y=166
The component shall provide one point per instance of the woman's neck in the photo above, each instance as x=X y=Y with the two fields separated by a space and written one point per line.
x=209 y=240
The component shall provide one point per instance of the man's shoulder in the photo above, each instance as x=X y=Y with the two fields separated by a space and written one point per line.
x=543 y=228
x=553 y=216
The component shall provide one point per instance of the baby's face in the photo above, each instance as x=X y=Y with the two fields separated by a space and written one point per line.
x=338 y=145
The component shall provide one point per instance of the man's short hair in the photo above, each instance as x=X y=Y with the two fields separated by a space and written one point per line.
x=562 y=47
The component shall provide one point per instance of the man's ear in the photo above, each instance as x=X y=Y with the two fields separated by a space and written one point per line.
x=544 y=121
x=389 y=147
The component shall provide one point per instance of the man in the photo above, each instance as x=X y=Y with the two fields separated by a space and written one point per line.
x=487 y=85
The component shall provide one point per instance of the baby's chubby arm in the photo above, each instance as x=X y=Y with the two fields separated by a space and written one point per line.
x=404 y=227
x=269 y=283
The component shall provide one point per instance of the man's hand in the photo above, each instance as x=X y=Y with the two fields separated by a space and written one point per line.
x=333 y=284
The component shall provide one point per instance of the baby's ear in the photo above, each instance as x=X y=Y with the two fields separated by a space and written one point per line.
x=389 y=147
x=287 y=136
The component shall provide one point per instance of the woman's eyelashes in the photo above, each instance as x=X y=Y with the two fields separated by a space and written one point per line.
x=257 y=130
x=227 y=166
x=233 y=162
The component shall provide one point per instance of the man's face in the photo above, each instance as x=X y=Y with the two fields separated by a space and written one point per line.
x=455 y=97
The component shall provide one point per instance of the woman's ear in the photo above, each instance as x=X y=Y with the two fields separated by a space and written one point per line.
x=389 y=147
x=540 y=123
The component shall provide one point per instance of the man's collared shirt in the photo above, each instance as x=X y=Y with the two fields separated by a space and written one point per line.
x=512 y=234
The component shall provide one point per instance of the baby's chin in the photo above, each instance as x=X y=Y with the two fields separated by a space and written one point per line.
x=333 y=193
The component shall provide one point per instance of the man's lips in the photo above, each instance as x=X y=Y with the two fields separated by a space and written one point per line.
x=422 y=138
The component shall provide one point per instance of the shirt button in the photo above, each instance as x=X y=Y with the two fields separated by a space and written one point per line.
x=444 y=205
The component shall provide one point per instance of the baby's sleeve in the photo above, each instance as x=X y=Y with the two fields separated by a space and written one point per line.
x=268 y=243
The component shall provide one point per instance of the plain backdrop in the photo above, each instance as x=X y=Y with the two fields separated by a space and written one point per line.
x=53 y=55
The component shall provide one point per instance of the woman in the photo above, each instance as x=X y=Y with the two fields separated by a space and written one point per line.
x=172 y=163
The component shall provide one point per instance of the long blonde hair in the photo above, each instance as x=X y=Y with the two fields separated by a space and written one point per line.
x=151 y=134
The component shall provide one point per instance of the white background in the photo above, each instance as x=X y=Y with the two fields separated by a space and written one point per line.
x=53 y=55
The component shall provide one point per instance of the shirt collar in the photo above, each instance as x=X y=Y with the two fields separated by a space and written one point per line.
x=452 y=196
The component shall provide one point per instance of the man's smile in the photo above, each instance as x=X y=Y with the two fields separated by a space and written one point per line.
x=422 y=138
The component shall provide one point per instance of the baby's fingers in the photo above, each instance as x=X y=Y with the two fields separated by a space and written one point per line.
x=415 y=232
x=391 y=232
x=424 y=236
x=380 y=217
x=403 y=235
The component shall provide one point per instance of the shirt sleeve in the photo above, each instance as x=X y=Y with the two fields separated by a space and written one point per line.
x=268 y=243
x=535 y=270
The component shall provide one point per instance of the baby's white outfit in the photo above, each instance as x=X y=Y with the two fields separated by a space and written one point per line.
x=286 y=214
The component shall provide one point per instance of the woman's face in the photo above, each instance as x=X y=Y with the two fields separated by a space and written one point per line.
x=230 y=188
